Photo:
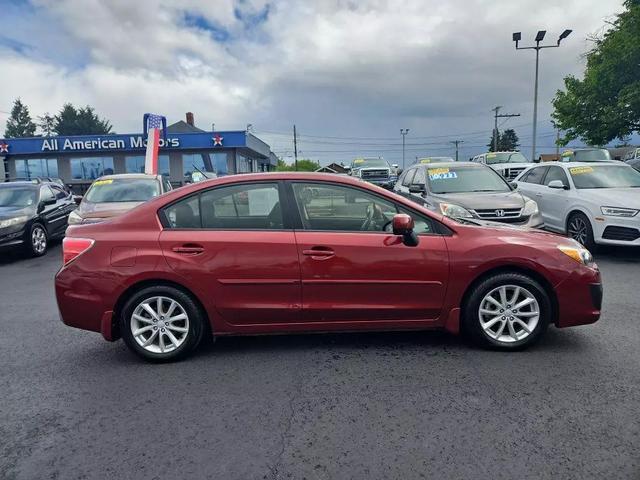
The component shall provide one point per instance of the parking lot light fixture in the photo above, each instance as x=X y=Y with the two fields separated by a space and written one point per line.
x=517 y=36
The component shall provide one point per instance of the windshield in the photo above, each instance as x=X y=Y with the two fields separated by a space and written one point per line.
x=596 y=155
x=465 y=179
x=369 y=162
x=17 y=197
x=610 y=176
x=123 y=190
x=506 y=157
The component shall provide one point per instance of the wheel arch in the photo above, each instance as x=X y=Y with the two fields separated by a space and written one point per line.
x=151 y=282
x=537 y=276
x=572 y=211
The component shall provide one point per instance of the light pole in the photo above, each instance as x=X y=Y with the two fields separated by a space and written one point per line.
x=517 y=36
x=403 y=132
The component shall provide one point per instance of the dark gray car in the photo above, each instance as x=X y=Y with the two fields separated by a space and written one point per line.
x=468 y=190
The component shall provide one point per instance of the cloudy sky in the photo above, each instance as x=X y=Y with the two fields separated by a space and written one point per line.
x=348 y=73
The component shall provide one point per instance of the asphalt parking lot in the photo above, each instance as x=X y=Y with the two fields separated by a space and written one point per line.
x=402 y=405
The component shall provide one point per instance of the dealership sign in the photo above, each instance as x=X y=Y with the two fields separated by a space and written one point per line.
x=71 y=144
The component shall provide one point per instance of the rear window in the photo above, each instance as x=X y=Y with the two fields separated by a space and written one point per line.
x=110 y=190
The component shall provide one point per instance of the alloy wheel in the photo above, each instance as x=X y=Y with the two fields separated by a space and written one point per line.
x=159 y=324
x=39 y=239
x=578 y=230
x=509 y=313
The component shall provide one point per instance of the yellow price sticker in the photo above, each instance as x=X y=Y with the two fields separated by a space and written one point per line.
x=567 y=153
x=438 y=171
x=359 y=160
x=580 y=170
x=103 y=182
x=491 y=155
x=425 y=160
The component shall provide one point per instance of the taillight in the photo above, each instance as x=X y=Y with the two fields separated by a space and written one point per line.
x=74 y=247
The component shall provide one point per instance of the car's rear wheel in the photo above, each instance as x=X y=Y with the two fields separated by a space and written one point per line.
x=579 y=228
x=38 y=241
x=509 y=311
x=161 y=323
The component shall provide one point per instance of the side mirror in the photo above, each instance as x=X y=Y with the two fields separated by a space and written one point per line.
x=77 y=199
x=514 y=185
x=557 y=184
x=403 y=225
x=416 y=188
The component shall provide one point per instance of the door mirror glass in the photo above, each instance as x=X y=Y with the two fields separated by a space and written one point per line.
x=514 y=185
x=557 y=184
x=416 y=188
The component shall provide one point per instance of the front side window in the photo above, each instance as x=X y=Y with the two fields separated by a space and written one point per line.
x=110 y=190
x=556 y=173
x=420 y=178
x=341 y=208
x=408 y=177
x=46 y=194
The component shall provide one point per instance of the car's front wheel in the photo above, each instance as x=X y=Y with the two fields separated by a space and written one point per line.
x=579 y=228
x=161 y=323
x=37 y=242
x=509 y=311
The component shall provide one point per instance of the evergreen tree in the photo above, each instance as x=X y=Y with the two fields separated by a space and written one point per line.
x=80 y=121
x=20 y=123
x=46 y=123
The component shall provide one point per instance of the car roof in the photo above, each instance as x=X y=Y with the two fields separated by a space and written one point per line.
x=22 y=183
x=128 y=175
x=449 y=164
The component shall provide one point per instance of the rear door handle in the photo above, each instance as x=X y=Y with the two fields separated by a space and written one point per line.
x=188 y=249
x=538 y=194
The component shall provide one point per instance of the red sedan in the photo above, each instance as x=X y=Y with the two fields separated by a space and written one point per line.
x=299 y=252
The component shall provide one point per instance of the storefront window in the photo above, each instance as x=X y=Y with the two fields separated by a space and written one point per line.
x=36 y=167
x=243 y=164
x=135 y=164
x=205 y=162
x=90 y=168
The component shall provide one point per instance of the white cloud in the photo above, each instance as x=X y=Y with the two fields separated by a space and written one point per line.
x=340 y=68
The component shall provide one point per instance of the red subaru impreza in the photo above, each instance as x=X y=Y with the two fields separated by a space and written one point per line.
x=299 y=252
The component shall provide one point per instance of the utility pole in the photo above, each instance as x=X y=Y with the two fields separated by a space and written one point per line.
x=403 y=132
x=456 y=143
x=517 y=36
x=295 y=148
x=558 y=142
x=496 y=116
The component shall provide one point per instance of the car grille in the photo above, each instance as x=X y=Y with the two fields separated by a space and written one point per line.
x=507 y=215
x=511 y=173
x=624 y=234
x=381 y=173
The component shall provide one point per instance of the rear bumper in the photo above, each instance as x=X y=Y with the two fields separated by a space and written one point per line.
x=579 y=298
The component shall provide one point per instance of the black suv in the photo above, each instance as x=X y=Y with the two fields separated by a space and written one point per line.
x=32 y=213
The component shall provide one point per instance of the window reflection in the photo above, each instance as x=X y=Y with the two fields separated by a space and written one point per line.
x=90 y=168
x=135 y=164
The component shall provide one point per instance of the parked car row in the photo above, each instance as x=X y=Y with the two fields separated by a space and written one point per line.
x=34 y=212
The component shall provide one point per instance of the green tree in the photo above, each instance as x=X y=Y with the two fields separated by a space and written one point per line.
x=19 y=123
x=605 y=105
x=304 y=165
x=508 y=141
x=46 y=123
x=80 y=121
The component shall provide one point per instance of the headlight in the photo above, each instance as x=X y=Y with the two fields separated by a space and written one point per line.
x=13 y=221
x=530 y=208
x=455 y=211
x=580 y=255
x=618 y=211
x=74 y=218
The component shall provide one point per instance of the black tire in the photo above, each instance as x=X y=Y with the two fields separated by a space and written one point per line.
x=471 y=319
x=196 y=323
x=33 y=247
x=573 y=222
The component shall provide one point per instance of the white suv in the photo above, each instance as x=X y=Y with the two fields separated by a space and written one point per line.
x=593 y=203
x=507 y=164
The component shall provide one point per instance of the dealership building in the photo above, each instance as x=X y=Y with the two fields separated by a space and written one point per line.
x=78 y=160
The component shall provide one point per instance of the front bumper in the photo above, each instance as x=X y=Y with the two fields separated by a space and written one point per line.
x=579 y=298
x=617 y=230
x=12 y=236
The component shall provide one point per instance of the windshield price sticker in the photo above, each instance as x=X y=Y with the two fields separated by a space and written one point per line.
x=359 y=160
x=103 y=182
x=441 y=174
x=491 y=155
x=567 y=153
x=425 y=160
x=580 y=170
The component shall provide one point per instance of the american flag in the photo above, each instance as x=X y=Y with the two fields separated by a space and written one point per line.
x=154 y=125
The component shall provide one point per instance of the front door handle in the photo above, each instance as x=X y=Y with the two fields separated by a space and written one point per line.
x=319 y=253
x=188 y=249
x=538 y=194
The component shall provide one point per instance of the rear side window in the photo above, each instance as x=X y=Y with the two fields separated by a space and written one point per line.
x=535 y=175
x=238 y=207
